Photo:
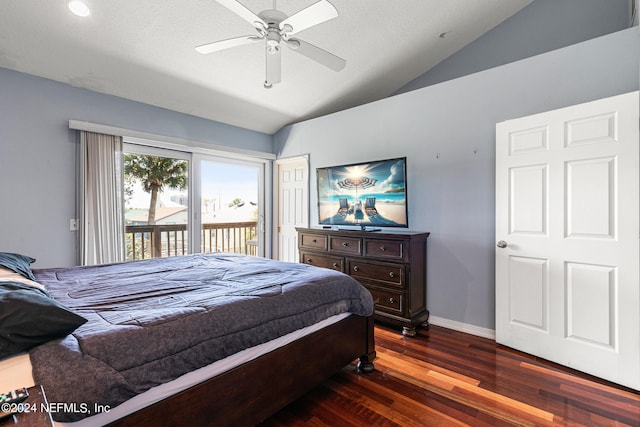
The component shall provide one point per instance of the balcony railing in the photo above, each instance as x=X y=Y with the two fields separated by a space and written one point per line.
x=155 y=241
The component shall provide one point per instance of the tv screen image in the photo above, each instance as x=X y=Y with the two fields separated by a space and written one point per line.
x=363 y=194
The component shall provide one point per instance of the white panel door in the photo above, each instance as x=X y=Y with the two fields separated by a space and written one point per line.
x=293 y=205
x=567 y=234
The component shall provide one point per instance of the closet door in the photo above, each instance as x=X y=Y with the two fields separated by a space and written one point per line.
x=291 y=188
x=567 y=235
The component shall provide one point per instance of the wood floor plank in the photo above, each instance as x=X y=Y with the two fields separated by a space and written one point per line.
x=412 y=406
x=421 y=374
x=498 y=407
x=448 y=378
x=589 y=382
x=409 y=415
x=416 y=367
x=439 y=406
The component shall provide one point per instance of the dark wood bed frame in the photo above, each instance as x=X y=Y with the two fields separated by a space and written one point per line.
x=252 y=392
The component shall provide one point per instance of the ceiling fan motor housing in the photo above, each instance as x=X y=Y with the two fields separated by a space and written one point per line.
x=273 y=40
x=272 y=18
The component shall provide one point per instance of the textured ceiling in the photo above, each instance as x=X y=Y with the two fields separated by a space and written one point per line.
x=143 y=50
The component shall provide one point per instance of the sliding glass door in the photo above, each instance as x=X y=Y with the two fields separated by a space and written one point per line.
x=156 y=188
x=231 y=208
x=178 y=203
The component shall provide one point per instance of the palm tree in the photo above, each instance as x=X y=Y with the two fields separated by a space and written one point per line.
x=156 y=173
x=236 y=202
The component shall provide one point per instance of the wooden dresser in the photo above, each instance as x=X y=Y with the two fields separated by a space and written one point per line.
x=392 y=265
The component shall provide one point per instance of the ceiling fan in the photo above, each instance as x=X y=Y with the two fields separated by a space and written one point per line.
x=276 y=29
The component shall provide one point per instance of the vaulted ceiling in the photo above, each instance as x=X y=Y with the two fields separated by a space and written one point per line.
x=143 y=50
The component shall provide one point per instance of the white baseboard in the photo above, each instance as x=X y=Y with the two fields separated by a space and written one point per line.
x=463 y=327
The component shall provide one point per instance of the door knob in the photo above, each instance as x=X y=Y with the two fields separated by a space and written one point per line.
x=502 y=244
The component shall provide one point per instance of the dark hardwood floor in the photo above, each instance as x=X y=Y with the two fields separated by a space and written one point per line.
x=447 y=378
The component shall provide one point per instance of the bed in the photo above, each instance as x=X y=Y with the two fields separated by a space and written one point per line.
x=206 y=339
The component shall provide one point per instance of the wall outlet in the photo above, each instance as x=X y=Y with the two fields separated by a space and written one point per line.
x=73 y=224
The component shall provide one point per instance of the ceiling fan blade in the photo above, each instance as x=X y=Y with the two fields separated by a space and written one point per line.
x=317 y=54
x=315 y=14
x=274 y=68
x=240 y=10
x=226 y=44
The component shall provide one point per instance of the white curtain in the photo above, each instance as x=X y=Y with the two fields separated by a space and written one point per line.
x=101 y=199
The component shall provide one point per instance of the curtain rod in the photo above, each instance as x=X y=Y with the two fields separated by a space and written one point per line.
x=145 y=138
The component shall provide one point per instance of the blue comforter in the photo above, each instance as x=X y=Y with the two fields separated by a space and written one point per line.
x=152 y=321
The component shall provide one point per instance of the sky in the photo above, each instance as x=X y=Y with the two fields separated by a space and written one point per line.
x=221 y=181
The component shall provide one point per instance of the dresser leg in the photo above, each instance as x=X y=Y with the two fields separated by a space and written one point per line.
x=425 y=324
x=409 y=331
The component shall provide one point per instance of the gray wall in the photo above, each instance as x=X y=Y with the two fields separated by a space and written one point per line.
x=447 y=132
x=540 y=27
x=38 y=156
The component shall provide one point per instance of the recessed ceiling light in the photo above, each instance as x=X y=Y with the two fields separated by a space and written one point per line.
x=78 y=7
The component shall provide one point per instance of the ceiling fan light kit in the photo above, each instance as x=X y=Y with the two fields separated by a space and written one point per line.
x=275 y=27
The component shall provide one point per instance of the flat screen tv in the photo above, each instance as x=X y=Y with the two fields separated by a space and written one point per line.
x=372 y=194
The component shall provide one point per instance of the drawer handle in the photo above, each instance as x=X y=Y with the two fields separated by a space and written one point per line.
x=391 y=274
x=335 y=265
x=309 y=261
x=345 y=244
x=382 y=249
x=355 y=268
x=392 y=301
x=314 y=241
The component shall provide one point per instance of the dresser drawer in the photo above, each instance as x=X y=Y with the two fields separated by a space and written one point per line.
x=389 y=274
x=313 y=241
x=326 y=261
x=345 y=245
x=388 y=301
x=391 y=249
